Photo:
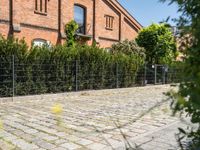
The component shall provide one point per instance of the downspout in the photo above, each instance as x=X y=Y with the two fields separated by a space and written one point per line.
x=59 y=21
x=120 y=27
x=10 y=34
x=94 y=20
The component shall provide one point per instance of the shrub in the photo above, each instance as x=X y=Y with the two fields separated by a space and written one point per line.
x=70 y=31
x=62 y=68
x=129 y=48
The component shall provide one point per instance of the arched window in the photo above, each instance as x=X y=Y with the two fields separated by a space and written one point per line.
x=80 y=18
x=39 y=42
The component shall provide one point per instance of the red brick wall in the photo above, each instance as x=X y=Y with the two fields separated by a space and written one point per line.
x=30 y=34
x=129 y=28
x=128 y=31
x=4 y=9
x=24 y=13
x=33 y=25
x=106 y=43
x=105 y=9
x=67 y=8
x=4 y=29
x=4 y=17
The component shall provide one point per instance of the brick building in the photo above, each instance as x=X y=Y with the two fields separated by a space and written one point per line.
x=40 y=21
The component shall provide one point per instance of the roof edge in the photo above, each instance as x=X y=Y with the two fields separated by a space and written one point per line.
x=128 y=13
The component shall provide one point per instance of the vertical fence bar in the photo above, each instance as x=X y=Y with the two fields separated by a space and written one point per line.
x=65 y=77
x=145 y=74
x=102 y=77
x=76 y=75
x=65 y=72
x=117 y=76
x=164 y=68
x=155 y=77
x=13 y=77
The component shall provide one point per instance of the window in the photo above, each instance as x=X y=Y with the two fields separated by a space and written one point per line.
x=79 y=17
x=41 y=6
x=39 y=42
x=109 y=22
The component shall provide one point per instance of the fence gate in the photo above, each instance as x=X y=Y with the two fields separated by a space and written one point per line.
x=156 y=74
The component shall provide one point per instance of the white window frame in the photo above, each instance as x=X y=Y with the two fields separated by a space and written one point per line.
x=40 y=42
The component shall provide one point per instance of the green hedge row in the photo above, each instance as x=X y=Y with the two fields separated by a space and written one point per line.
x=58 y=69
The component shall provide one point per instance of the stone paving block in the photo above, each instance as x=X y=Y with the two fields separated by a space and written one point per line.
x=28 y=137
x=50 y=138
x=70 y=146
x=5 y=134
x=60 y=141
x=5 y=145
x=141 y=141
x=9 y=128
x=115 y=143
x=40 y=149
x=31 y=131
x=96 y=146
x=88 y=120
x=23 y=145
x=72 y=138
x=17 y=132
x=84 y=142
x=60 y=148
x=147 y=147
x=61 y=134
x=10 y=138
x=45 y=145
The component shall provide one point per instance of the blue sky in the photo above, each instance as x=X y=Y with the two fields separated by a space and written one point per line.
x=149 y=11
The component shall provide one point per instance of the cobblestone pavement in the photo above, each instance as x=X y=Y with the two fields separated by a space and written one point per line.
x=95 y=120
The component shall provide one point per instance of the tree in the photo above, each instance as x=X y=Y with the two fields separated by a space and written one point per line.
x=187 y=99
x=159 y=43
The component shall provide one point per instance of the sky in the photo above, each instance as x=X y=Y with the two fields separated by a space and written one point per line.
x=150 y=11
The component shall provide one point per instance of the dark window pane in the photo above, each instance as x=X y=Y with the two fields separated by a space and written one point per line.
x=79 y=17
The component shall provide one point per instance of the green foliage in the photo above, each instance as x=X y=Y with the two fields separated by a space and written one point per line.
x=158 y=41
x=48 y=70
x=7 y=49
x=70 y=31
x=130 y=48
x=187 y=99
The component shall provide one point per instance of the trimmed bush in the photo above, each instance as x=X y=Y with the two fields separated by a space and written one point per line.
x=61 y=68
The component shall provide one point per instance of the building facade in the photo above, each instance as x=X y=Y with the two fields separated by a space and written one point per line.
x=40 y=21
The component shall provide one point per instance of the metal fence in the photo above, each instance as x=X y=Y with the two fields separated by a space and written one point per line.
x=17 y=78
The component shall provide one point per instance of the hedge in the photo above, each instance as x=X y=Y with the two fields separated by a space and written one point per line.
x=59 y=69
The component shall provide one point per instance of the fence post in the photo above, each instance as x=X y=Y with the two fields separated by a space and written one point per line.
x=117 y=75
x=13 y=77
x=76 y=75
x=163 y=70
x=145 y=74
x=65 y=75
x=155 y=77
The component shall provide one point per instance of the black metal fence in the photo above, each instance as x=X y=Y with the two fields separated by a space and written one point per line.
x=18 y=78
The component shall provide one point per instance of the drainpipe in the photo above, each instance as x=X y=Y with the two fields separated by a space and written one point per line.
x=59 y=20
x=10 y=34
x=120 y=27
x=94 y=20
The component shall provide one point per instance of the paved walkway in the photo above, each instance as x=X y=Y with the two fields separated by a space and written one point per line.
x=95 y=120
